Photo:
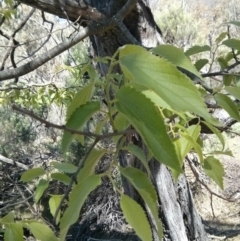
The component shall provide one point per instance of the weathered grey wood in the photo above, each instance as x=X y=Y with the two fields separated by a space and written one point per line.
x=12 y=162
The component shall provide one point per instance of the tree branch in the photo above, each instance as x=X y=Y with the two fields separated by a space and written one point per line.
x=10 y=161
x=65 y=128
x=94 y=28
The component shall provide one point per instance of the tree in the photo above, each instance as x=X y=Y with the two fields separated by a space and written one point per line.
x=109 y=25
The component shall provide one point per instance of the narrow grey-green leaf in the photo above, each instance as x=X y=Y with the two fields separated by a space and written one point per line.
x=234 y=91
x=64 y=167
x=137 y=152
x=216 y=132
x=31 y=174
x=222 y=62
x=232 y=43
x=237 y=23
x=42 y=232
x=146 y=189
x=136 y=217
x=227 y=104
x=13 y=232
x=80 y=116
x=76 y=199
x=197 y=49
x=214 y=169
x=61 y=178
x=82 y=97
x=200 y=64
x=147 y=120
x=221 y=37
x=160 y=76
x=177 y=57
x=41 y=187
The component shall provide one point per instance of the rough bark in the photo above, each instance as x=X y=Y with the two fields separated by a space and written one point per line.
x=176 y=207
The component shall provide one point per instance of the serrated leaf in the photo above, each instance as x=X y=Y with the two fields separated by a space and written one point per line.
x=216 y=132
x=80 y=116
x=162 y=77
x=76 y=199
x=136 y=217
x=221 y=37
x=227 y=104
x=31 y=174
x=90 y=164
x=143 y=185
x=177 y=57
x=197 y=49
x=232 y=43
x=41 y=187
x=81 y=98
x=147 y=120
x=9 y=218
x=214 y=169
x=237 y=23
x=13 y=232
x=200 y=64
x=64 y=167
x=234 y=91
x=42 y=232
x=137 y=152
x=61 y=178
x=54 y=203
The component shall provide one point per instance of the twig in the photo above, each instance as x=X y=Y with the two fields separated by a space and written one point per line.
x=65 y=128
x=196 y=174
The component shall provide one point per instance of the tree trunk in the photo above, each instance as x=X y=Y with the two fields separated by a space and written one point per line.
x=180 y=219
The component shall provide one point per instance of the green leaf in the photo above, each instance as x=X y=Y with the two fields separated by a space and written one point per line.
x=184 y=144
x=147 y=120
x=197 y=49
x=9 y=218
x=237 y=23
x=234 y=91
x=214 y=169
x=221 y=37
x=216 y=132
x=81 y=98
x=64 y=167
x=31 y=174
x=223 y=63
x=136 y=217
x=61 y=178
x=227 y=79
x=80 y=116
x=13 y=232
x=200 y=64
x=41 y=187
x=160 y=76
x=145 y=188
x=227 y=104
x=54 y=203
x=232 y=43
x=137 y=152
x=76 y=199
x=177 y=57
x=42 y=232
x=90 y=164
x=121 y=123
